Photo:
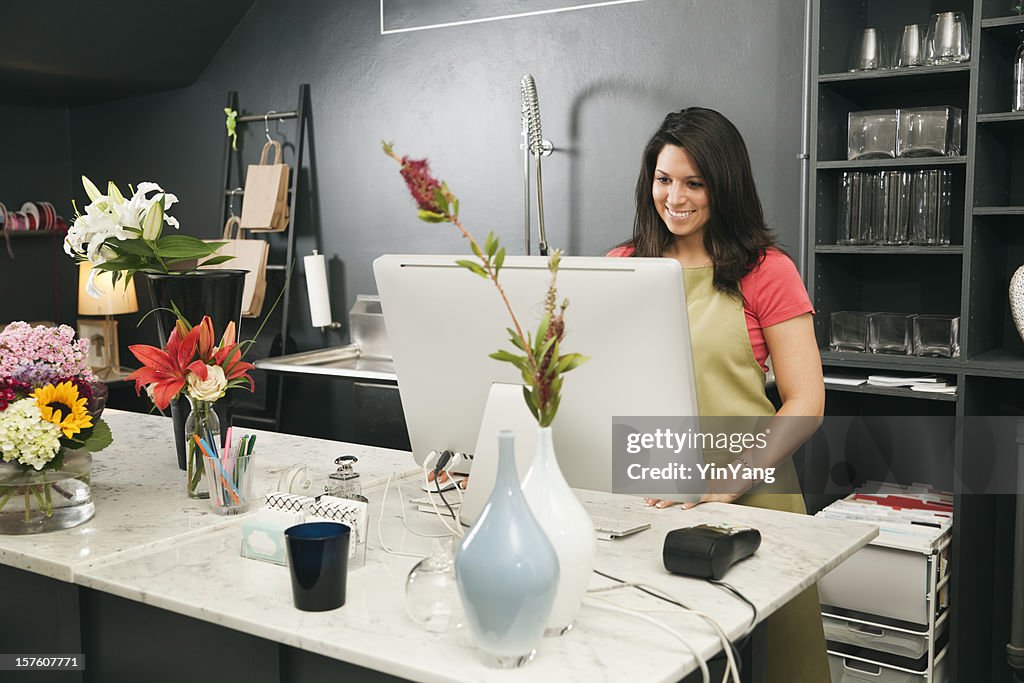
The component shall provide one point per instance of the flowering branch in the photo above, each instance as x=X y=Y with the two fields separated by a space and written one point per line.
x=540 y=363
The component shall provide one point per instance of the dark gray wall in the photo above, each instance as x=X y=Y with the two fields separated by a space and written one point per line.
x=35 y=165
x=606 y=77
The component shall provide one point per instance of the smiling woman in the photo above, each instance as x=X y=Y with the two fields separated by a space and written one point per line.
x=696 y=202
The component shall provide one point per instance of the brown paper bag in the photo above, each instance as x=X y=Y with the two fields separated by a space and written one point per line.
x=250 y=255
x=264 y=204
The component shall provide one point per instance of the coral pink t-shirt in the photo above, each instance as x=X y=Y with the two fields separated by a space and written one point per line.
x=773 y=293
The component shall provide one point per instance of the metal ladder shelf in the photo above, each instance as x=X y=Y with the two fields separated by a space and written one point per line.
x=271 y=415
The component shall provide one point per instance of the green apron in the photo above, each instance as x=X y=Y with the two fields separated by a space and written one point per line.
x=730 y=381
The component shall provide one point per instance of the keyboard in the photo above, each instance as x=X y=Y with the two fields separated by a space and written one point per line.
x=608 y=528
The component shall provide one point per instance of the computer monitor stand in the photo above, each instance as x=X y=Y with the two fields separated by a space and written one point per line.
x=505 y=410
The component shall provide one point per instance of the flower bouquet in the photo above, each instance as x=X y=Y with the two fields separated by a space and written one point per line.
x=192 y=365
x=124 y=236
x=50 y=406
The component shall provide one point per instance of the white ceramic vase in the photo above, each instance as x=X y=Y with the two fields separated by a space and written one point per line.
x=567 y=525
x=1017 y=300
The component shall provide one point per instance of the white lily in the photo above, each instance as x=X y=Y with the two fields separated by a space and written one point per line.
x=90 y=189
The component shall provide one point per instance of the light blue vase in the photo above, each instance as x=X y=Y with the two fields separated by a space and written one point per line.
x=507 y=571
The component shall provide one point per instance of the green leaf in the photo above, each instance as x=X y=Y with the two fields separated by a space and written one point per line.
x=556 y=386
x=131 y=247
x=476 y=249
x=531 y=403
x=552 y=368
x=507 y=357
x=431 y=217
x=91 y=190
x=491 y=244
x=100 y=437
x=499 y=260
x=439 y=198
x=153 y=223
x=550 y=412
x=516 y=339
x=545 y=347
x=455 y=209
x=183 y=247
x=473 y=266
x=542 y=332
x=571 y=361
x=216 y=260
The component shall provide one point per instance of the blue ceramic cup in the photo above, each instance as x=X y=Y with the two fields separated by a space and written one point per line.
x=318 y=559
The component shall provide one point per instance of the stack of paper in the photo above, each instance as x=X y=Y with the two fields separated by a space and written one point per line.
x=844 y=379
x=926 y=383
x=905 y=516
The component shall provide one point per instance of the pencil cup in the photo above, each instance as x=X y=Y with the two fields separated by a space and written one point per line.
x=230 y=483
x=318 y=564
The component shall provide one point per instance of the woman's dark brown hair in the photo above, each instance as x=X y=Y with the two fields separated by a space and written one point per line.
x=735 y=235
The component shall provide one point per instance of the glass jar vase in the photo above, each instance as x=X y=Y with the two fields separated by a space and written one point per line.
x=56 y=497
x=203 y=423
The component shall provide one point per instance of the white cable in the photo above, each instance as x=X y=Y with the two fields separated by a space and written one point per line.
x=457 y=530
x=722 y=636
x=704 y=673
x=380 y=520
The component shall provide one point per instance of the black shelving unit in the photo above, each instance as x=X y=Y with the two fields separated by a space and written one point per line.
x=968 y=278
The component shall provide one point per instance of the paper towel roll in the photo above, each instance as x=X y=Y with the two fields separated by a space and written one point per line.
x=316 y=288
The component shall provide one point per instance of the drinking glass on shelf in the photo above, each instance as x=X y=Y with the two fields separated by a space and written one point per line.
x=869 y=51
x=896 y=214
x=852 y=200
x=848 y=331
x=1018 y=73
x=873 y=208
x=930 y=207
x=910 y=51
x=889 y=333
x=937 y=335
x=948 y=40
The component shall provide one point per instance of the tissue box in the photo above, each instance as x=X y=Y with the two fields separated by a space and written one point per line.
x=263 y=534
x=288 y=502
x=350 y=512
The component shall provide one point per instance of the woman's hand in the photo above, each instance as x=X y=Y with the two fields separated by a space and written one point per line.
x=708 y=497
x=659 y=503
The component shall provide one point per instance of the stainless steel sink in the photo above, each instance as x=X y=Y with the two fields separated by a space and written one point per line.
x=338 y=361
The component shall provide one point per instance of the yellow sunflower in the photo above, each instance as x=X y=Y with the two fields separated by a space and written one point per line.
x=62 y=406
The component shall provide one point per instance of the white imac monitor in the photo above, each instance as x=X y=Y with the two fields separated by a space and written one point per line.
x=627 y=314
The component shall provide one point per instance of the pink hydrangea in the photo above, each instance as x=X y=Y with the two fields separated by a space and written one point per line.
x=38 y=355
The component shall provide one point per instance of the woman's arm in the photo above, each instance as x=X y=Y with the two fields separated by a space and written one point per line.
x=797 y=364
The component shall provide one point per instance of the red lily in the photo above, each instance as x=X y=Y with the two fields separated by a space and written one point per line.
x=165 y=369
x=204 y=345
x=229 y=357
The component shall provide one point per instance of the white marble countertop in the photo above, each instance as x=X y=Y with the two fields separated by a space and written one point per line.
x=140 y=496
x=204 y=576
x=148 y=542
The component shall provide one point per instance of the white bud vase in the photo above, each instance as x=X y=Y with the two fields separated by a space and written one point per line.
x=567 y=525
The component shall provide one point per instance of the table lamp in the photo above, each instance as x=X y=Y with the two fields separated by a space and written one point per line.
x=102 y=335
